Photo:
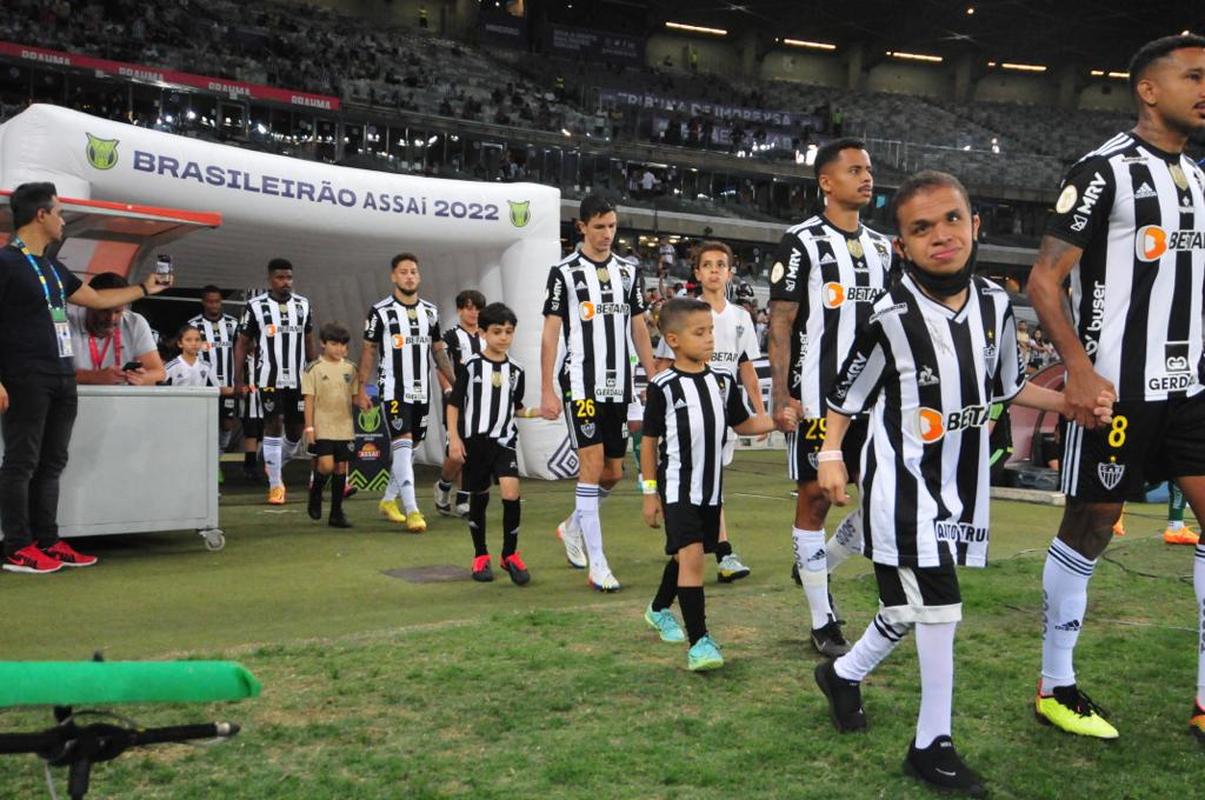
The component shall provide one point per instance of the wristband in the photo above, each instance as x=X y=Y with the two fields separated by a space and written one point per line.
x=829 y=455
x=145 y=293
x=649 y=487
x=309 y=430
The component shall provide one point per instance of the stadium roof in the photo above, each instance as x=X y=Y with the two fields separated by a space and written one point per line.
x=1101 y=34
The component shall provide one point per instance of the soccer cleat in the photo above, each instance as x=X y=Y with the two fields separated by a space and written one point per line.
x=664 y=624
x=1196 y=723
x=731 y=569
x=338 y=521
x=31 y=560
x=462 y=510
x=314 y=506
x=443 y=500
x=1184 y=535
x=517 y=570
x=704 y=655
x=844 y=698
x=1073 y=711
x=795 y=574
x=416 y=522
x=391 y=511
x=829 y=641
x=68 y=555
x=481 y=569
x=575 y=551
x=1119 y=527
x=276 y=495
x=602 y=579
x=940 y=766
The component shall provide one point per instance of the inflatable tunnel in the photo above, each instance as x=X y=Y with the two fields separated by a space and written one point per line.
x=338 y=226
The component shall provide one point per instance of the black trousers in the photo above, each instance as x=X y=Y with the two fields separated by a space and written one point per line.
x=37 y=430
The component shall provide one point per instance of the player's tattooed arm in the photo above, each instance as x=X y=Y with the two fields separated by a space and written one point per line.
x=1055 y=261
x=782 y=325
x=439 y=352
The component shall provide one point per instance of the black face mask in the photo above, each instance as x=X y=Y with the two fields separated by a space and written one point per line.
x=944 y=285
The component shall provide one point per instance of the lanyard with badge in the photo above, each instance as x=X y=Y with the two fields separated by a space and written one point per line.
x=58 y=314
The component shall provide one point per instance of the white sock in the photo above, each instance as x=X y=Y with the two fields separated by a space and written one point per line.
x=402 y=475
x=1175 y=524
x=935 y=652
x=272 y=460
x=876 y=644
x=1065 y=589
x=811 y=560
x=1198 y=583
x=846 y=540
x=591 y=527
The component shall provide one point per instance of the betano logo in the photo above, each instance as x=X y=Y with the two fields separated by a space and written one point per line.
x=101 y=153
x=588 y=311
x=835 y=294
x=931 y=426
x=1152 y=242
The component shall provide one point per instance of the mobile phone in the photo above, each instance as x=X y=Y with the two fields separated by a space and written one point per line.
x=131 y=366
x=163 y=269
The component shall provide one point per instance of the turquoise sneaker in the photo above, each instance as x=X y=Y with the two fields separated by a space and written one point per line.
x=704 y=655
x=663 y=622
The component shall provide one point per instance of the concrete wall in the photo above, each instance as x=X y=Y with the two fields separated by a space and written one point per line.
x=928 y=80
x=806 y=67
x=1017 y=87
x=715 y=55
x=1107 y=95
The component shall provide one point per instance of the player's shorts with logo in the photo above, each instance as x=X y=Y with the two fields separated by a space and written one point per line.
x=340 y=449
x=918 y=594
x=804 y=443
x=593 y=422
x=402 y=418
x=686 y=523
x=286 y=403
x=485 y=461
x=228 y=407
x=1147 y=442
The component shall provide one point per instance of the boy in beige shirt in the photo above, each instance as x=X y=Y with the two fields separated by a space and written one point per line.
x=329 y=386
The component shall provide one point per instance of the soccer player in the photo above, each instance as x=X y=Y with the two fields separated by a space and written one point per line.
x=462 y=342
x=1127 y=229
x=733 y=355
x=485 y=399
x=938 y=350
x=593 y=298
x=279 y=325
x=218 y=332
x=829 y=270
x=404 y=330
x=687 y=414
x=329 y=386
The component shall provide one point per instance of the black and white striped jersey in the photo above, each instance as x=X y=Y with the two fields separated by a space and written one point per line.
x=929 y=376
x=278 y=328
x=1138 y=213
x=461 y=344
x=735 y=341
x=835 y=276
x=691 y=413
x=217 y=345
x=596 y=302
x=404 y=335
x=488 y=392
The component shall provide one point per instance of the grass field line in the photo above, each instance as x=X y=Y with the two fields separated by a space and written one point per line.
x=378 y=635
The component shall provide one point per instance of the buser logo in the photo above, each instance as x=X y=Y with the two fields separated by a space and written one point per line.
x=931 y=426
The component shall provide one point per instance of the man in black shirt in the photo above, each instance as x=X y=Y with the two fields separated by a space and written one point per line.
x=37 y=379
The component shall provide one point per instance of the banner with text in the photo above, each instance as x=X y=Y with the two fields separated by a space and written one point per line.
x=595 y=45
x=614 y=98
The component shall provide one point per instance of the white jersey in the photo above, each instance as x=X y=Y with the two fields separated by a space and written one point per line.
x=735 y=341
x=181 y=373
x=217 y=345
x=929 y=376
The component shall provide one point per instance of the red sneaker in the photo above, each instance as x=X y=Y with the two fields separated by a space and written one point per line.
x=517 y=570
x=32 y=560
x=481 y=569
x=68 y=555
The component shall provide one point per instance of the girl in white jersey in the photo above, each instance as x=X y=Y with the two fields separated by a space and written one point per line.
x=188 y=369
